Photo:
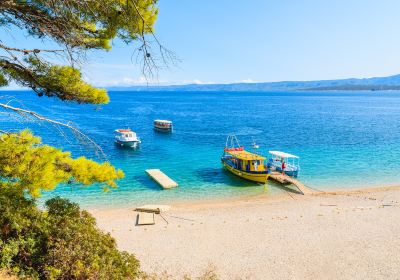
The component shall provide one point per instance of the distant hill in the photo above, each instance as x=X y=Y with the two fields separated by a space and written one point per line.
x=379 y=83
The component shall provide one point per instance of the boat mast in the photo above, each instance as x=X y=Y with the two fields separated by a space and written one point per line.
x=231 y=139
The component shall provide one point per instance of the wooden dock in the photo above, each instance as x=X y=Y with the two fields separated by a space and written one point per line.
x=163 y=180
x=284 y=179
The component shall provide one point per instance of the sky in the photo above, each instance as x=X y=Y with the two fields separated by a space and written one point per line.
x=229 y=41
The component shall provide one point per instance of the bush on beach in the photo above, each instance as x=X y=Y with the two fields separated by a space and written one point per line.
x=60 y=242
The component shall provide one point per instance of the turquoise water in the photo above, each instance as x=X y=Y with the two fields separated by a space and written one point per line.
x=344 y=139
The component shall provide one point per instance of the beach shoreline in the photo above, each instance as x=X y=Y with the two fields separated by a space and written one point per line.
x=345 y=234
x=215 y=202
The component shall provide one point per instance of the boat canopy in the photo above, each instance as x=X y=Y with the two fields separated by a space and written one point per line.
x=124 y=131
x=282 y=154
x=244 y=155
x=162 y=121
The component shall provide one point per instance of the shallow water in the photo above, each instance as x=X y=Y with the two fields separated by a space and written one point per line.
x=344 y=139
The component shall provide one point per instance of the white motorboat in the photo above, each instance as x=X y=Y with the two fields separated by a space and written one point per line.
x=126 y=138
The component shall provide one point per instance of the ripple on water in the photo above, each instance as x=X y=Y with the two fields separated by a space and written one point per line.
x=344 y=140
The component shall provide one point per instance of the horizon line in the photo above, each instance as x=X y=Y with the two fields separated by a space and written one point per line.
x=17 y=88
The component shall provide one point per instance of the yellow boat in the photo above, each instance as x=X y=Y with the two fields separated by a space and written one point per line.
x=244 y=164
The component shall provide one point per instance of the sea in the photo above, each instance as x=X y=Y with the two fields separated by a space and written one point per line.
x=344 y=140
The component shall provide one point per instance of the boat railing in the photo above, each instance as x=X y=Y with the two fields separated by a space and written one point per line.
x=238 y=149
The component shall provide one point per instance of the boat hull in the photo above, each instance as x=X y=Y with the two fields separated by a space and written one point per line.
x=127 y=144
x=250 y=176
x=163 y=129
x=292 y=172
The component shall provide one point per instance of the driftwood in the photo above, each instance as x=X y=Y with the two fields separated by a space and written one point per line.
x=148 y=210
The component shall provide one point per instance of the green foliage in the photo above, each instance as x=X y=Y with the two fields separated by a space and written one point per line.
x=3 y=80
x=21 y=234
x=63 y=82
x=27 y=165
x=87 y=24
x=79 y=249
x=77 y=26
x=62 y=242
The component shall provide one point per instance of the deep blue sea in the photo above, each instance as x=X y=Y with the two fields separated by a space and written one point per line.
x=344 y=139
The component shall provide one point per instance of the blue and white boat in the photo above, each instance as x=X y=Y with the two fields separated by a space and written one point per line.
x=290 y=162
x=126 y=138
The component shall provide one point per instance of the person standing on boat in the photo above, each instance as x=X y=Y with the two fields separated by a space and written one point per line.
x=283 y=167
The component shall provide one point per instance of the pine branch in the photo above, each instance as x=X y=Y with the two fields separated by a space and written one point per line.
x=79 y=135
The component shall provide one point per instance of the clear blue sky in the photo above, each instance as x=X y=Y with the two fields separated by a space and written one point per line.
x=223 y=41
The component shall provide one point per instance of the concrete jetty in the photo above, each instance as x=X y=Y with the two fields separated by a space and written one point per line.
x=163 y=180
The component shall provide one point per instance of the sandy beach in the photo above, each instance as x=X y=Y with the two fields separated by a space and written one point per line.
x=351 y=234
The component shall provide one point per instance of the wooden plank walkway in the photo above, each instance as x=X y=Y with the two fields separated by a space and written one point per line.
x=284 y=179
x=162 y=179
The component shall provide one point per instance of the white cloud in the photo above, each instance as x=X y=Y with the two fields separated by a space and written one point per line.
x=200 y=82
x=194 y=81
x=248 y=80
x=197 y=82
x=123 y=81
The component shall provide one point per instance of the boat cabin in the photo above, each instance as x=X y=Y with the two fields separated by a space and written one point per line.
x=125 y=135
x=163 y=125
x=245 y=161
x=237 y=160
x=291 y=162
x=126 y=138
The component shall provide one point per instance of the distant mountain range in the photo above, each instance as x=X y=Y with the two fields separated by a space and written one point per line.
x=379 y=83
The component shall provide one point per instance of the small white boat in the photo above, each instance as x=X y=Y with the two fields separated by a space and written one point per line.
x=126 y=138
x=290 y=163
x=255 y=146
x=163 y=125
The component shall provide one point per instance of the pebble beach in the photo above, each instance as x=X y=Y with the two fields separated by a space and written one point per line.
x=349 y=234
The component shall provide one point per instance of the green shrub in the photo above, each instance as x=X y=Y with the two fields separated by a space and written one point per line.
x=61 y=242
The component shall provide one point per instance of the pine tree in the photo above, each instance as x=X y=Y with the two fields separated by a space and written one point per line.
x=76 y=27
